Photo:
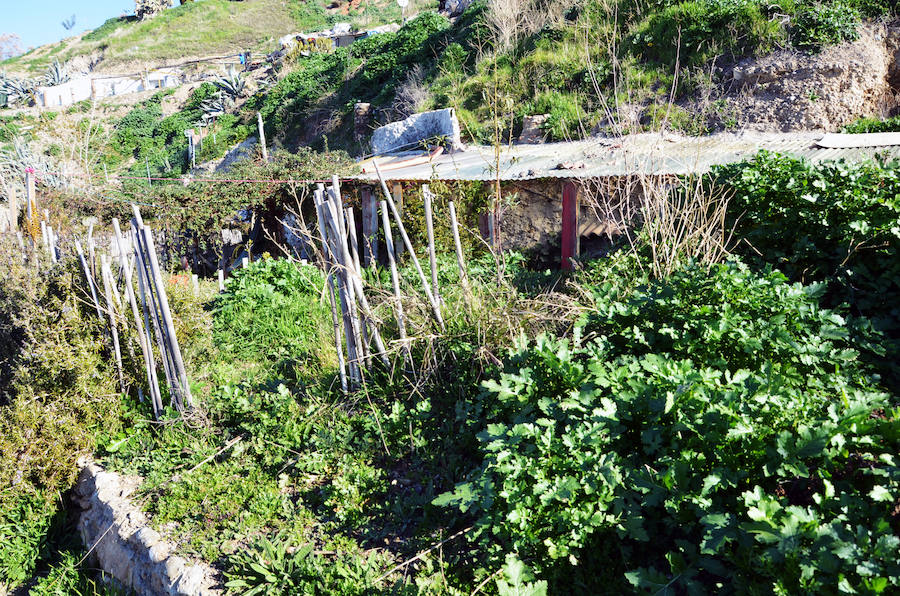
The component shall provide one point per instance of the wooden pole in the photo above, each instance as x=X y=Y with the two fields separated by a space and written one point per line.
x=336 y=257
x=356 y=280
x=395 y=281
x=569 y=242
x=398 y=202
x=262 y=136
x=142 y=331
x=51 y=244
x=354 y=253
x=370 y=227
x=13 y=205
x=431 y=300
x=150 y=291
x=432 y=257
x=151 y=310
x=167 y=318
x=106 y=274
x=195 y=282
x=341 y=235
x=329 y=282
x=30 y=203
x=221 y=275
x=146 y=340
x=44 y=239
x=147 y=161
x=460 y=261
x=89 y=277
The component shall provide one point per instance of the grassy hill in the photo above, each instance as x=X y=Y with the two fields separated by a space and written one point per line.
x=201 y=28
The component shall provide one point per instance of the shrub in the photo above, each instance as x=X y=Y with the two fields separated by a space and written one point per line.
x=696 y=31
x=709 y=432
x=823 y=24
x=864 y=125
x=274 y=307
x=833 y=222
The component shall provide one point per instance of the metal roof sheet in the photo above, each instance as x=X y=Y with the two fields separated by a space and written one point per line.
x=652 y=154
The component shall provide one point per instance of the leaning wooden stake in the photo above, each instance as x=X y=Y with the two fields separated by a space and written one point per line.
x=335 y=246
x=354 y=253
x=395 y=281
x=149 y=321
x=89 y=277
x=167 y=318
x=151 y=291
x=106 y=274
x=151 y=308
x=329 y=282
x=435 y=308
x=356 y=280
x=432 y=258
x=142 y=331
x=460 y=260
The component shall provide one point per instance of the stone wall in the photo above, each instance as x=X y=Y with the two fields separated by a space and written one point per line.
x=123 y=544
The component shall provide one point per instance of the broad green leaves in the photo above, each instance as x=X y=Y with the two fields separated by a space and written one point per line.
x=714 y=428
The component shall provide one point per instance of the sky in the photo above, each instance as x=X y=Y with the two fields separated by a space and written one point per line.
x=40 y=21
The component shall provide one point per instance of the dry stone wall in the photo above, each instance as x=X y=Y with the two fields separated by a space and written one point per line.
x=125 y=546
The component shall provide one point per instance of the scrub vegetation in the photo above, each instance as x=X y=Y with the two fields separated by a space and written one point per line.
x=721 y=426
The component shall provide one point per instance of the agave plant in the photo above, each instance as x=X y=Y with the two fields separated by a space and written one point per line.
x=232 y=86
x=18 y=91
x=212 y=108
x=56 y=74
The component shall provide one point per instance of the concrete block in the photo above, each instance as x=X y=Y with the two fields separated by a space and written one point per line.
x=405 y=135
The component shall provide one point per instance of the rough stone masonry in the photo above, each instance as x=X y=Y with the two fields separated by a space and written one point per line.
x=123 y=544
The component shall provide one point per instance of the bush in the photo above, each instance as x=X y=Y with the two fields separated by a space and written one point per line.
x=833 y=222
x=824 y=24
x=698 y=30
x=274 y=307
x=709 y=432
x=864 y=125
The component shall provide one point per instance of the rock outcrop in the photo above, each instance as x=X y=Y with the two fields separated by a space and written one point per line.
x=790 y=91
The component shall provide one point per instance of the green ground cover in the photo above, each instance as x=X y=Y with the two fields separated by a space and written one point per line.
x=721 y=428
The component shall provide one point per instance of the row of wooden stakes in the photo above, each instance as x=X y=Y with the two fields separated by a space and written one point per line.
x=354 y=323
x=131 y=253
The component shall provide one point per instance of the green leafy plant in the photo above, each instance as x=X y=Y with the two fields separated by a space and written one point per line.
x=279 y=566
x=274 y=306
x=824 y=23
x=709 y=429
x=837 y=223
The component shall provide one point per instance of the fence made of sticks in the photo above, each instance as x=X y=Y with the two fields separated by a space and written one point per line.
x=126 y=286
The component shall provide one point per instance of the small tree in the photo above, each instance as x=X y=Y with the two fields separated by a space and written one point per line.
x=10 y=45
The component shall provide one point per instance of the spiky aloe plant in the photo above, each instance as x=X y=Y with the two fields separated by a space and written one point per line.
x=232 y=86
x=212 y=108
x=18 y=91
x=56 y=74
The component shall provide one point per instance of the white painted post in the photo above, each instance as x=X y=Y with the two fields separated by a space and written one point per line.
x=262 y=137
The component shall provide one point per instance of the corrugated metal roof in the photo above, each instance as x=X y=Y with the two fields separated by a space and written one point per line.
x=652 y=154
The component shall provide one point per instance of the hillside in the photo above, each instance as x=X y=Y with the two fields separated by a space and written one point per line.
x=199 y=29
x=611 y=371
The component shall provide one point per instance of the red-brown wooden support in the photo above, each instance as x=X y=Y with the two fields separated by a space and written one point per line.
x=569 y=225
